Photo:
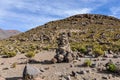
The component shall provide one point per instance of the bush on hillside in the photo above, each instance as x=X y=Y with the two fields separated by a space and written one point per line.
x=98 y=52
x=30 y=54
x=10 y=54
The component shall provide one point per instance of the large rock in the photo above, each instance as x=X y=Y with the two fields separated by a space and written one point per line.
x=30 y=72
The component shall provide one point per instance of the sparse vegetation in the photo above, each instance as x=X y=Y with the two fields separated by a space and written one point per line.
x=83 y=32
x=98 y=52
x=112 y=67
x=88 y=63
x=10 y=54
x=30 y=54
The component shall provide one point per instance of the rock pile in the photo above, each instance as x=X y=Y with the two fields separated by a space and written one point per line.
x=63 y=52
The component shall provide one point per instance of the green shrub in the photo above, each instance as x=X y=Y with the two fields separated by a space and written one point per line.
x=82 y=49
x=98 y=52
x=10 y=54
x=78 y=47
x=30 y=54
x=112 y=67
x=88 y=63
x=47 y=47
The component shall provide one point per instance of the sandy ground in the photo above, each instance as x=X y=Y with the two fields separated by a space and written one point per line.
x=52 y=71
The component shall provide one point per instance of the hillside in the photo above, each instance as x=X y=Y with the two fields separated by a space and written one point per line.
x=95 y=30
x=7 y=33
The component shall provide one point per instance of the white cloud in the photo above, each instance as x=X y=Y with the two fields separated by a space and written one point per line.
x=79 y=11
x=115 y=11
x=30 y=13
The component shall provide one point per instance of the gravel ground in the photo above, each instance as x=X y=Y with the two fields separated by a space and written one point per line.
x=54 y=71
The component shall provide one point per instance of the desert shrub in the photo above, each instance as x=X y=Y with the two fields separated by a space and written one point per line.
x=30 y=54
x=98 y=52
x=88 y=63
x=82 y=49
x=73 y=49
x=14 y=65
x=10 y=54
x=74 y=33
x=78 y=47
x=47 y=47
x=105 y=47
x=32 y=47
x=112 y=67
x=74 y=46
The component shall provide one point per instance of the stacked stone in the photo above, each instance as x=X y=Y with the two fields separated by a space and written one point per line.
x=63 y=52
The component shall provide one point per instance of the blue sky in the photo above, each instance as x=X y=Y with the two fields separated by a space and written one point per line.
x=26 y=14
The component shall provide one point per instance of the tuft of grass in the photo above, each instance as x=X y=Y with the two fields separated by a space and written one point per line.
x=30 y=54
x=98 y=52
x=10 y=54
x=112 y=67
x=88 y=63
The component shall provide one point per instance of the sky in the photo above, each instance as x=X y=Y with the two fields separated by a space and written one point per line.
x=24 y=15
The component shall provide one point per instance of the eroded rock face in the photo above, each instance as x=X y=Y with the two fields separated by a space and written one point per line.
x=63 y=52
x=30 y=72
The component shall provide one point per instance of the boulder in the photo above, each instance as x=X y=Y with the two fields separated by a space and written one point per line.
x=68 y=57
x=30 y=72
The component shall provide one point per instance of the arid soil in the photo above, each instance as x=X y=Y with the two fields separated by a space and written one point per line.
x=55 y=71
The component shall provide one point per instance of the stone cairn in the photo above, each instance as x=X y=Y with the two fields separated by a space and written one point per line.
x=63 y=52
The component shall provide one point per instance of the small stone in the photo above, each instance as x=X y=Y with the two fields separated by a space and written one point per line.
x=47 y=68
x=71 y=65
x=88 y=71
x=104 y=77
x=2 y=63
x=94 y=65
x=5 y=68
x=110 y=76
x=82 y=72
x=42 y=69
x=38 y=79
x=68 y=78
x=74 y=74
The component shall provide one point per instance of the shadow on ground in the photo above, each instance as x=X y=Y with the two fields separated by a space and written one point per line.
x=14 y=78
x=109 y=73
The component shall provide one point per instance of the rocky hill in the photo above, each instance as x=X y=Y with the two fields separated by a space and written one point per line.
x=93 y=30
x=7 y=33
